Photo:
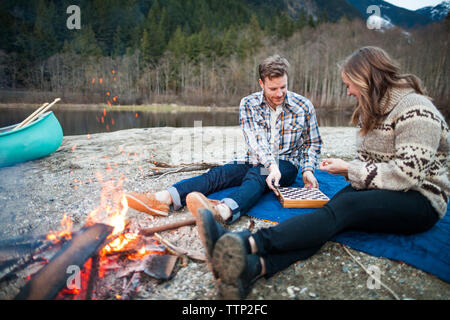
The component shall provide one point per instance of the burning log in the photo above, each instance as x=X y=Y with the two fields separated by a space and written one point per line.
x=93 y=277
x=27 y=241
x=52 y=278
x=14 y=265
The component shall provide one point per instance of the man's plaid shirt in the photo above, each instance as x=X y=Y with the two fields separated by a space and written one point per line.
x=299 y=139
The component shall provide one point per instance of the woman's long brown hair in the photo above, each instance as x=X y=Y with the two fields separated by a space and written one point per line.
x=374 y=73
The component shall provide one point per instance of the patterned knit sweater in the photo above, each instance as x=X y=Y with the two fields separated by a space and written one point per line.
x=407 y=151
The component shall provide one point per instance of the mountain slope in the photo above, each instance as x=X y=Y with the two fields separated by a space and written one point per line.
x=397 y=16
x=333 y=10
x=436 y=13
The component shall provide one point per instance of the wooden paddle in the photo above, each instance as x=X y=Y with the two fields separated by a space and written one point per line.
x=36 y=114
x=31 y=116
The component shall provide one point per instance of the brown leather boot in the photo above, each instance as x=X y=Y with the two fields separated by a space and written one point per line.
x=146 y=202
x=196 y=201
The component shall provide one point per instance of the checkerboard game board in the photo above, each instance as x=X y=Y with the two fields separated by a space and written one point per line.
x=296 y=197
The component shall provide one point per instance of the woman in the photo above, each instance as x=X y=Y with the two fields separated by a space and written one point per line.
x=398 y=180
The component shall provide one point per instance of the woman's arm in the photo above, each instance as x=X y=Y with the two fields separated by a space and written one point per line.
x=335 y=166
x=417 y=136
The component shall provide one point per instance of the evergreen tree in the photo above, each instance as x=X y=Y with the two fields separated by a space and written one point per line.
x=302 y=20
x=177 y=43
x=153 y=41
x=44 y=42
x=106 y=16
x=285 y=26
x=229 y=42
x=255 y=35
x=146 y=48
x=85 y=43
x=119 y=42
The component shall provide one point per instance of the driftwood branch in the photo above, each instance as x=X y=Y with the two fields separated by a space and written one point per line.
x=165 y=227
x=163 y=169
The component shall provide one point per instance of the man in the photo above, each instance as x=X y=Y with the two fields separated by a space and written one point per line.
x=282 y=135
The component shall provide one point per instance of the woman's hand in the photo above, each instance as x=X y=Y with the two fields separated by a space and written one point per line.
x=335 y=166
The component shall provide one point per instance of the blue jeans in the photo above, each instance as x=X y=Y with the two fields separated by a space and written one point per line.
x=250 y=179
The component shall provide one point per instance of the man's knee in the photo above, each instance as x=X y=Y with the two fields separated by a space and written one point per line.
x=257 y=174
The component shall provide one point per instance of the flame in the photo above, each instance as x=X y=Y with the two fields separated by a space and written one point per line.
x=100 y=80
x=119 y=243
x=113 y=206
x=66 y=232
x=118 y=220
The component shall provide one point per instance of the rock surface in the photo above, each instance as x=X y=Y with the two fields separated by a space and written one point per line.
x=35 y=195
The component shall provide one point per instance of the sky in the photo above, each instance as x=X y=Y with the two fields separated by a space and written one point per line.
x=414 y=4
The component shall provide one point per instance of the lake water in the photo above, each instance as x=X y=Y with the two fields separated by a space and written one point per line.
x=82 y=121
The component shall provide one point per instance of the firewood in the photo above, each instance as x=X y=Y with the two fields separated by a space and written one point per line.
x=93 y=277
x=23 y=262
x=53 y=276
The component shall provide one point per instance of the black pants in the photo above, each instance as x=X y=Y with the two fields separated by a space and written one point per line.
x=382 y=211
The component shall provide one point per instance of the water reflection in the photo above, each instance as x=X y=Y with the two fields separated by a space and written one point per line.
x=76 y=122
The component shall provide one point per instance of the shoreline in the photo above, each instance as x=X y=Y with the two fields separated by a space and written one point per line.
x=149 y=107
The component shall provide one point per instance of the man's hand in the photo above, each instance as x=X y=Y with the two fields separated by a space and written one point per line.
x=335 y=166
x=273 y=179
x=309 y=180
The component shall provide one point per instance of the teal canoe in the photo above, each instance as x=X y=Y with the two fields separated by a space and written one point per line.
x=35 y=140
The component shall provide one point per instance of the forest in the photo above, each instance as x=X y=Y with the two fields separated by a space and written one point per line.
x=194 y=52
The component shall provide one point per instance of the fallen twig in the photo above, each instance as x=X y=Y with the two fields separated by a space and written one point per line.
x=370 y=274
x=180 y=251
x=132 y=286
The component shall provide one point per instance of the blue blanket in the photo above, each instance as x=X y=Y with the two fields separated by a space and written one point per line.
x=428 y=251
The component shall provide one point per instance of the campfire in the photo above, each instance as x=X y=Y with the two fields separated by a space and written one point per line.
x=71 y=265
